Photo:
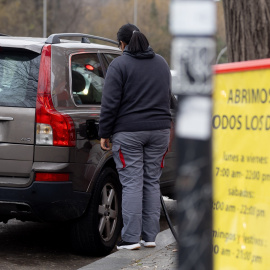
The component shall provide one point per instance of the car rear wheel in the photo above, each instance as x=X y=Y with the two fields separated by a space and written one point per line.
x=97 y=231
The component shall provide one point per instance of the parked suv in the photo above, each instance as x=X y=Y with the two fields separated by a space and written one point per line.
x=52 y=168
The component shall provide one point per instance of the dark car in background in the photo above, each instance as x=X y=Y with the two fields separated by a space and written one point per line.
x=52 y=168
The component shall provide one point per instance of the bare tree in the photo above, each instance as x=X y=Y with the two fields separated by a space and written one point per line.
x=247 y=29
x=97 y=17
x=65 y=16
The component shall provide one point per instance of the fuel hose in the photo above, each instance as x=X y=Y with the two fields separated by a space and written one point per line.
x=168 y=219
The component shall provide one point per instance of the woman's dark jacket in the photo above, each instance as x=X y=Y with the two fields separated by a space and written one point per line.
x=136 y=94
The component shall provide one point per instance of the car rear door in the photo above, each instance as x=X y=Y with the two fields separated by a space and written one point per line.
x=19 y=70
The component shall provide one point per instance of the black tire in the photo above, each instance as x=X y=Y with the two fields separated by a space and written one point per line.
x=97 y=231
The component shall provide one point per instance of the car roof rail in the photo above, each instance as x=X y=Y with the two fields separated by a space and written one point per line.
x=55 y=38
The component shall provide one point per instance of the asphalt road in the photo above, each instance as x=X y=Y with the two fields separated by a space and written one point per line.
x=30 y=245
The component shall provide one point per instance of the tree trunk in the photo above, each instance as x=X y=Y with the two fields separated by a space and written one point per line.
x=247 y=29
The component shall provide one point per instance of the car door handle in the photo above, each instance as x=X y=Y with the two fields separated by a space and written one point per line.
x=6 y=118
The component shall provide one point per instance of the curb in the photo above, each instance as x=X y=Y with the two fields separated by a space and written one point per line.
x=124 y=258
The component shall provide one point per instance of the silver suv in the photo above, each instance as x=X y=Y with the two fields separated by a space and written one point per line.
x=52 y=168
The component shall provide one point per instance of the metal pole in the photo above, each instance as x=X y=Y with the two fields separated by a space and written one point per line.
x=44 y=18
x=192 y=23
x=135 y=11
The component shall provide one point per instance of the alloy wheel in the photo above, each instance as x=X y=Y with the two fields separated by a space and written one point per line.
x=108 y=212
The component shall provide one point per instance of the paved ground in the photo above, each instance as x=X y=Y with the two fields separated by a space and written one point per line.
x=162 y=257
x=31 y=246
x=165 y=259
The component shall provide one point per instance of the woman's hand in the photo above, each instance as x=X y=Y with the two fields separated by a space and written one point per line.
x=105 y=144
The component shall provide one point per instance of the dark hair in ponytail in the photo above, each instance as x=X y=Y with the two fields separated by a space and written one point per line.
x=131 y=35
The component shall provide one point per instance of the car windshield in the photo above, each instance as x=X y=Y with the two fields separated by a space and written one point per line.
x=18 y=78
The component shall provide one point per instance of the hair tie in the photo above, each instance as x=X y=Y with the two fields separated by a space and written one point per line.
x=134 y=31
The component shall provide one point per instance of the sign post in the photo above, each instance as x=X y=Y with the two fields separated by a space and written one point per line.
x=192 y=24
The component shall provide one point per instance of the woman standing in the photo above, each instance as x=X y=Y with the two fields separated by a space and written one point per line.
x=136 y=111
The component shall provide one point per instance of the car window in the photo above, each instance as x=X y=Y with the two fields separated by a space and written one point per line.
x=19 y=78
x=107 y=59
x=111 y=57
x=87 y=79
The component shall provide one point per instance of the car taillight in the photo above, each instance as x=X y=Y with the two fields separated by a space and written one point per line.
x=52 y=127
x=51 y=177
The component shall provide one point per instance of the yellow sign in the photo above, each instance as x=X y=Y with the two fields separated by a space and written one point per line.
x=241 y=166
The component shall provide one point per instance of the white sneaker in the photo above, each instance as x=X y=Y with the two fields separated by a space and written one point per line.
x=127 y=245
x=148 y=244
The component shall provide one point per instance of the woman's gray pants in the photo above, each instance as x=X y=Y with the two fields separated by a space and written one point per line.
x=139 y=158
